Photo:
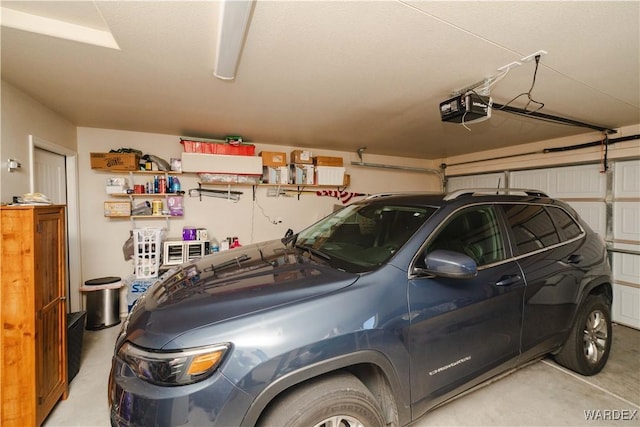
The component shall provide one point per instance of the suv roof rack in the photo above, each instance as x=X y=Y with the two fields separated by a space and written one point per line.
x=402 y=193
x=485 y=191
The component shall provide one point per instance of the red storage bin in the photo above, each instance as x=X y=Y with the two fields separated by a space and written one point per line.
x=211 y=147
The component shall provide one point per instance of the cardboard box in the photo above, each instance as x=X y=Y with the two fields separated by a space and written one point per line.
x=302 y=157
x=115 y=161
x=327 y=161
x=273 y=158
x=221 y=163
x=329 y=175
x=117 y=209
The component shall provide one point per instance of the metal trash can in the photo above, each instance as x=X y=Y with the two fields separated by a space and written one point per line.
x=102 y=302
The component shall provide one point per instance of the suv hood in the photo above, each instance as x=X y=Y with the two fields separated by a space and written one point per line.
x=228 y=285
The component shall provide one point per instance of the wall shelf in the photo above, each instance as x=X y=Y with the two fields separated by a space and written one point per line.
x=144 y=176
x=235 y=195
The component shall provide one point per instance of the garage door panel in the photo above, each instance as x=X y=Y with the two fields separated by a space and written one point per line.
x=626 y=238
x=580 y=181
x=626 y=305
x=626 y=268
x=626 y=221
x=490 y=180
x=594 y=214
x=584 y=181
x=627 y=179
x=537 y=180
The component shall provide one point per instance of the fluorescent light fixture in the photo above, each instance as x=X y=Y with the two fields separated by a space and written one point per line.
x=55 y=28
x=232 y=29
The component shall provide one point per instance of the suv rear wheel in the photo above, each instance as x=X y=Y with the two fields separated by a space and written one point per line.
x=587 y=348
x=340 y=400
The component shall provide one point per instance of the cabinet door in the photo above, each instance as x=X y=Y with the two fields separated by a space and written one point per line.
x=50 y=311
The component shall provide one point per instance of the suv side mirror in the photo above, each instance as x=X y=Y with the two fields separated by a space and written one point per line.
x=454 y=265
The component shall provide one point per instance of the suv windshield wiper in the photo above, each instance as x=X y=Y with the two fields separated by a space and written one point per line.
x=313 y=251
x=289 y=237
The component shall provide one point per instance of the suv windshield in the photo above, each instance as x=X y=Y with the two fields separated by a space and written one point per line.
x=361 y=237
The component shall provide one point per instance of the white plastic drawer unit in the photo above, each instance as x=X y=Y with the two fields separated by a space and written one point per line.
x=178 y=251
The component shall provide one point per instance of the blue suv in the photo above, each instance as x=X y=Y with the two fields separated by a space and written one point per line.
x=370 y=317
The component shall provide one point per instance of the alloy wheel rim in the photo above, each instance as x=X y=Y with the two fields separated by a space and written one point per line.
x=340 y=421
x=595 y=337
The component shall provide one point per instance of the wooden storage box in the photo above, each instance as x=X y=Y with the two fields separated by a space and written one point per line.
x=115 y=161
x=327 y=161
x=116 y=209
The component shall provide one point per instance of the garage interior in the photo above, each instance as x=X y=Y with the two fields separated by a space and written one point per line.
x=369 y=82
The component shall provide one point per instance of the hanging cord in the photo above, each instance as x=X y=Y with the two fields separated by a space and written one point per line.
x=528 y=94
x=274 y=222
x=604 y=151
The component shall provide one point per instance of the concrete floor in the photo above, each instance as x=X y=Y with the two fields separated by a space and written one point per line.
x=542 y=393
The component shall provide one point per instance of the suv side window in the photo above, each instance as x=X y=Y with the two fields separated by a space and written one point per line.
x=474 y=232
x=532 y=227
x=564 y=222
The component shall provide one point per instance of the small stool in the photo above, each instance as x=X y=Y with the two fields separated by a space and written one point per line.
x=102 y=302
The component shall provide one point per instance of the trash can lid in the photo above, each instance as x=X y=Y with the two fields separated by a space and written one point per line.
x=102 y=281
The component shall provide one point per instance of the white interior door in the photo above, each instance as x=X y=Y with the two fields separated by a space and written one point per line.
x=50 y=177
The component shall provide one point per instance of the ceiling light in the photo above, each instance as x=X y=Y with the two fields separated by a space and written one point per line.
x=232 y=29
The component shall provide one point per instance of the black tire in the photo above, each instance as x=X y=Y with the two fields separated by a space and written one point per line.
x=587 y=348
x=339 y=400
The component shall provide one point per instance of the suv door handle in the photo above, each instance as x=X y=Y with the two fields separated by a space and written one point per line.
x=575 y=259
x=509 y=280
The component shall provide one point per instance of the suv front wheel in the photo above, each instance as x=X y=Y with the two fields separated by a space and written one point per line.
x=339 y=400
x=587 y=348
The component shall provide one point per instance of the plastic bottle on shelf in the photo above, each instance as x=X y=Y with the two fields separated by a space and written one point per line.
x=235 y=243
x=175 y=185
x=215 y=246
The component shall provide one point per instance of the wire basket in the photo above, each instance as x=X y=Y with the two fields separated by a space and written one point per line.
x=147 y=245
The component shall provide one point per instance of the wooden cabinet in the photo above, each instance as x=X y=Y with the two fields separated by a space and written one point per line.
x=33 y=369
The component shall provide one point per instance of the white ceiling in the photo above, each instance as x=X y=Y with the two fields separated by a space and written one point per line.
x=332 y=74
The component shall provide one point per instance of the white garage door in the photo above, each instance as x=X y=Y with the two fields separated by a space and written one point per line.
x=584 y=187
x=488 y=180
x=625 y=245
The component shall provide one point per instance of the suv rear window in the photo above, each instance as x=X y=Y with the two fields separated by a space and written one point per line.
x=532 y=227
x=565 y=223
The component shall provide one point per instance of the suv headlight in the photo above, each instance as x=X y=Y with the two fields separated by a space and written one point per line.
x=173 y=368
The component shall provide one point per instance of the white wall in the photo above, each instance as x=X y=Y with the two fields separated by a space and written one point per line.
x=23 y=116
x=250 y=221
